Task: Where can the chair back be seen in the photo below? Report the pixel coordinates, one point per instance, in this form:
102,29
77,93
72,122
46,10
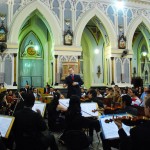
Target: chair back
76,140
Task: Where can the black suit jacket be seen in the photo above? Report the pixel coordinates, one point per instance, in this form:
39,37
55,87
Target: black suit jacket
139,137
28,124
73,90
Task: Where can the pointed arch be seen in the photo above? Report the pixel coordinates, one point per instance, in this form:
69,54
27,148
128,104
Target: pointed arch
132,27
49,19
103,18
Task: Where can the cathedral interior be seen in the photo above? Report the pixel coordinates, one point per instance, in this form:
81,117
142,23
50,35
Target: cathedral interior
106,42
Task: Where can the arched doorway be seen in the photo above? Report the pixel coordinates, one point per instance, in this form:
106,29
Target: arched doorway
140,48
94,41
35,53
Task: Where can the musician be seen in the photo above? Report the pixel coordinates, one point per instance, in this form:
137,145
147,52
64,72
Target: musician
75,120
73,83
92,95
26,89
29,125
47,89
3,104
36,94
55,113
52,91
139,135
126,106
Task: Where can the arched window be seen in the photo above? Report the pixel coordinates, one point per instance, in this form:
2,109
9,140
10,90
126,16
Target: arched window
56,8
129,16
67,13
8,70
78,10
110,13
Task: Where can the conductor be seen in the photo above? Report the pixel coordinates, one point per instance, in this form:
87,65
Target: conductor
73,83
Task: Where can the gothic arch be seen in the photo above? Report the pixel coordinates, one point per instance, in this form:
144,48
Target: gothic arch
103,18
132,27
49,19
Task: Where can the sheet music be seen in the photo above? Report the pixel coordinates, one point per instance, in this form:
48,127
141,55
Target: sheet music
5,123
64,102
110,130
85,107
40,106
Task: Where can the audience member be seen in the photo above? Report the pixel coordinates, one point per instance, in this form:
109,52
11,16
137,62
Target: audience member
135,100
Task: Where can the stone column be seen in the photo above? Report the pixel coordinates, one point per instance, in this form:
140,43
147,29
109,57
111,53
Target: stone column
78,64
56,63
15,84
112,64
131,69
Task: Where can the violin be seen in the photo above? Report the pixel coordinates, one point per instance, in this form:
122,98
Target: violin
129,120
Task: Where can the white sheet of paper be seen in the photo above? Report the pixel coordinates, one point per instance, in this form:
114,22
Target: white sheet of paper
4,125
85,107
64,102
40,106
110,130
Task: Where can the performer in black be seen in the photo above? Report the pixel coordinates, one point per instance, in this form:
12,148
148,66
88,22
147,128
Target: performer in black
73,82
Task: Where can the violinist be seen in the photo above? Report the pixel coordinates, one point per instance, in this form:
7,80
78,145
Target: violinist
126,106
75,121
92,95
55,114
139,135
4,106
29,126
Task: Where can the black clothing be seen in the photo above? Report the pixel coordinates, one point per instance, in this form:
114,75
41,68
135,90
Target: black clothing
128,109
55,122
79,122
2,146
139,137
73,90
28,128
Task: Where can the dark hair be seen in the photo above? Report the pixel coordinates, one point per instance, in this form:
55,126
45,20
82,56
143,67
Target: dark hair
127,100
147,102
29,99
55,100
93,92
74,106
135,92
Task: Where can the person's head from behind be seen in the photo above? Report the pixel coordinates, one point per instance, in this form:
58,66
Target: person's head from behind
56,97
133,93
29,99
74,105
147,107
126,100
92,93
